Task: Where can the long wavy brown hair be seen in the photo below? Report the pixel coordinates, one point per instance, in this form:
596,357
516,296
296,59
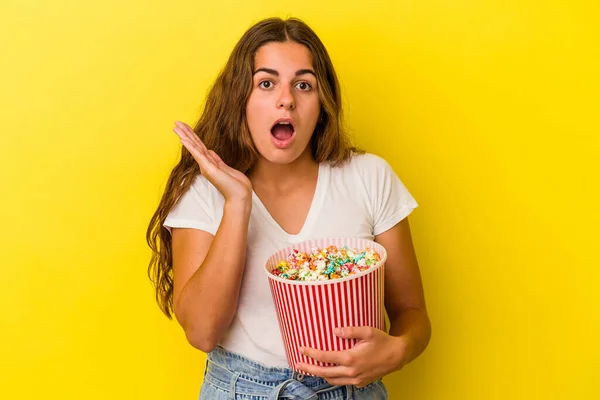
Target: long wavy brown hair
223,128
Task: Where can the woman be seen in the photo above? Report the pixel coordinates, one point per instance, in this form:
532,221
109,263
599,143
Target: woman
269,165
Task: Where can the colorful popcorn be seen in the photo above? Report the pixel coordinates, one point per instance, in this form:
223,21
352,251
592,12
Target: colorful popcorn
325,264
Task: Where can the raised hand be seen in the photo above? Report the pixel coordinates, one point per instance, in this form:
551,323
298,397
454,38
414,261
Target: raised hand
233,185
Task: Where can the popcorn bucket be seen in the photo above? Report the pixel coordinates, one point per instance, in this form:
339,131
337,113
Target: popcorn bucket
309,311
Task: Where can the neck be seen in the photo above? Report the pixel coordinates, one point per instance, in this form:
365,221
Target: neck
283,177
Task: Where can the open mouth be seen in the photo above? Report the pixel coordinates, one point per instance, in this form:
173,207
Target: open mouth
283,130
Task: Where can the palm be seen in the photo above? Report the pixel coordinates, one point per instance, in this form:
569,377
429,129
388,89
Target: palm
232,184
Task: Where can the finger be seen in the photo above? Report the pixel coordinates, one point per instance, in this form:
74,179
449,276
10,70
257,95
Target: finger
333,357
335,372
196,152
183,124
216,159
183,133
196,144
183,128
206,164
191,134
234,173
355,332
221,165
186,132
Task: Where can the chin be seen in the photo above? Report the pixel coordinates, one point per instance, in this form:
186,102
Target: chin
280,157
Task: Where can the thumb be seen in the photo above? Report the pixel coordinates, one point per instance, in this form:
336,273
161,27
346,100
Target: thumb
355,332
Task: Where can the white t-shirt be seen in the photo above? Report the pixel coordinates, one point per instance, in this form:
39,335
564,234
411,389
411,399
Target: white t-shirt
361,198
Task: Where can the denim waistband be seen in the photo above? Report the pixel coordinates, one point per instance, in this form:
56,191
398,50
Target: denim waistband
239,375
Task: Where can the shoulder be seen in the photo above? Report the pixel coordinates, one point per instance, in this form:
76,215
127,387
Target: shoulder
203,189
369,160
366,165
362,171
200,183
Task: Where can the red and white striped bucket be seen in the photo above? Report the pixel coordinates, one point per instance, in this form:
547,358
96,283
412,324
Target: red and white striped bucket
308,312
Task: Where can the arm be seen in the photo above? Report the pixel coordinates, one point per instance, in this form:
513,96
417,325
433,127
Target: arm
404,298
207,276
207,270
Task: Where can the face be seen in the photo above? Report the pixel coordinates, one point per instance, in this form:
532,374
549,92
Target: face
284,106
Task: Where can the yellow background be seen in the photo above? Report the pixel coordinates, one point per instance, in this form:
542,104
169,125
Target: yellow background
488,111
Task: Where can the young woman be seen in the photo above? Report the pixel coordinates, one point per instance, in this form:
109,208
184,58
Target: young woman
269,165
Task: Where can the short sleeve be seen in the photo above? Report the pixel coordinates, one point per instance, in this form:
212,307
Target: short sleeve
198,208
391,201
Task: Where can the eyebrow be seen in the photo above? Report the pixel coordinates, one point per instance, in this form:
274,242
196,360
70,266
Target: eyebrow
274,72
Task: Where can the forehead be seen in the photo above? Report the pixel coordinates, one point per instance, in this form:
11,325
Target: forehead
287,56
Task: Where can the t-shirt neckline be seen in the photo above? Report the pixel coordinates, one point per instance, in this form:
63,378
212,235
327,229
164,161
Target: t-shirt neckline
313,212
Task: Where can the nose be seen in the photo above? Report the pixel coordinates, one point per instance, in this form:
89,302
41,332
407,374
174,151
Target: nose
286,100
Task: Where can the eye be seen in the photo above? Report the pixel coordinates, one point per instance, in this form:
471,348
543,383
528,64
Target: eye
265,85
304,86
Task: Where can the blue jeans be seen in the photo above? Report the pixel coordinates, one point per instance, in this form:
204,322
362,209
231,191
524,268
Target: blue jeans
230,376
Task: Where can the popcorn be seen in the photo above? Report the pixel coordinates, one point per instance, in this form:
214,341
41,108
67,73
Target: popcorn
325,264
